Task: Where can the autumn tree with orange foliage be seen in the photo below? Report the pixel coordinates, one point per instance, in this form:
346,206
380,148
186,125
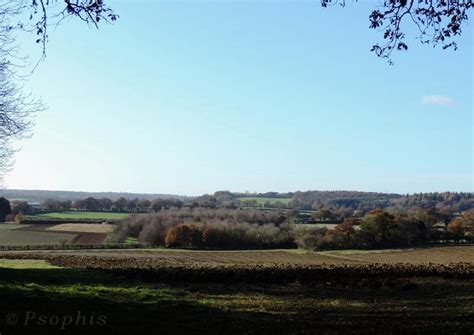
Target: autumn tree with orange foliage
184,236
457,229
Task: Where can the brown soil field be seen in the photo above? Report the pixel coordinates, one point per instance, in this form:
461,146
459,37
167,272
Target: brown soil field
90,238
438,255
435,255
81,233
267,266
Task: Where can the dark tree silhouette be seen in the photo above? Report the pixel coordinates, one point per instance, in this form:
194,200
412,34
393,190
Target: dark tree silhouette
5,209
437,22
46,13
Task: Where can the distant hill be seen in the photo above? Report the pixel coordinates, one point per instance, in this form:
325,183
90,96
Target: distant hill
38,196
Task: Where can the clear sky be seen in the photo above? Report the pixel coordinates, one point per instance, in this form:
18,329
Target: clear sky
190,97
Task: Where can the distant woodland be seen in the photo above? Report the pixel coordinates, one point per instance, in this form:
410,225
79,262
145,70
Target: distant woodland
325,205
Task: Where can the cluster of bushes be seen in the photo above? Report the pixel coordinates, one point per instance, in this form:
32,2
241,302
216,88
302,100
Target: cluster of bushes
227,235
247,229
207,228
379,229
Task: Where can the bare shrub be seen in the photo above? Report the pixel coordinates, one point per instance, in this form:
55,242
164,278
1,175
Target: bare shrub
311,238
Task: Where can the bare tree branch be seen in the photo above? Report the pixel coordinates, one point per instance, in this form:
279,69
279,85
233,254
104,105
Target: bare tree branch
438,22
46,13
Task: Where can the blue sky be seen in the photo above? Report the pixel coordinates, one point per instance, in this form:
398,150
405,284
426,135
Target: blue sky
190,97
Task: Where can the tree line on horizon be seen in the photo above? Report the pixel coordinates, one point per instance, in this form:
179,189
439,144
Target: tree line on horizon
345,204
324,205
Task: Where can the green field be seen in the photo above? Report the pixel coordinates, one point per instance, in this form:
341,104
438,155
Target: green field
80,215
262,201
